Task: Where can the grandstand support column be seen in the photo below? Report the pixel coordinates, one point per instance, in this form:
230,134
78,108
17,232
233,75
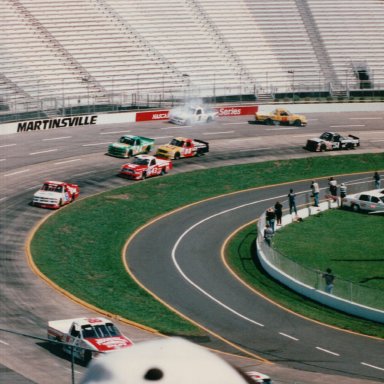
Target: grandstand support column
187,86
241,85
214,87
138,90
62,97
292,72
38,95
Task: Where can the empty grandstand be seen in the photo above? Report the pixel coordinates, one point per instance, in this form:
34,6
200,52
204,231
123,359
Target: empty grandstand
57,55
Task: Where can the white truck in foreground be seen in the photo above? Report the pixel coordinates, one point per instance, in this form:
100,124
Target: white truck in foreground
191,114
87,337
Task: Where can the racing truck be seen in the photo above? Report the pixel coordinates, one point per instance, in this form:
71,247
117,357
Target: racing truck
55,194
280,116
187,115
144,166
330,141
180,147
129,145
87,337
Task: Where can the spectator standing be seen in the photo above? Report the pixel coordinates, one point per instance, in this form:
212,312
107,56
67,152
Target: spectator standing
270,216
292,202
343,190
377,180
278,212
268,234
315,192
329,279
332,186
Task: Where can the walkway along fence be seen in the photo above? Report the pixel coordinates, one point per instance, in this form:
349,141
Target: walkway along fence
347,296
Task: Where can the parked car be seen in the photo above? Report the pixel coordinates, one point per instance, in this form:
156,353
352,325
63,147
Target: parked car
369,201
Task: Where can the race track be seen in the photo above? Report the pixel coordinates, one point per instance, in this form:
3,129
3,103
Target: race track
27,302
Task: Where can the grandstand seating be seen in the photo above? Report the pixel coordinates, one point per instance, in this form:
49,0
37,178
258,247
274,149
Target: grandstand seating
57,54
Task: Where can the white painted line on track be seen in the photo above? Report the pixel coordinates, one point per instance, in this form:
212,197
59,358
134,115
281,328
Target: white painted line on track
16,173
304,135
178,127
95,144
185,233
69,369
242,123
113,132
58,138
365,118
280,128
161,137
40,152
347,126
34,187
7,145
217,133
254,149
288,336
372,366
327,351
67,161
2,159
3,198
83,173
3,342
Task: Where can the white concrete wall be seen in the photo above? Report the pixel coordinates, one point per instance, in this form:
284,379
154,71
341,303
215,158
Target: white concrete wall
308,291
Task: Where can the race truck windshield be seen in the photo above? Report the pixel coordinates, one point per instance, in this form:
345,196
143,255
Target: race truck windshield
177,143
139,161
99,331
52,188
126,140
326,136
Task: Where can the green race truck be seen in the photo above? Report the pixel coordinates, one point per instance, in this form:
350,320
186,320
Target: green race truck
129,146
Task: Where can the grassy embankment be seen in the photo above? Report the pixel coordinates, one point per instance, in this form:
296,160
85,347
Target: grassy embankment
79,248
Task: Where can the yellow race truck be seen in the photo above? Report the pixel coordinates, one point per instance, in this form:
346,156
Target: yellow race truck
280,116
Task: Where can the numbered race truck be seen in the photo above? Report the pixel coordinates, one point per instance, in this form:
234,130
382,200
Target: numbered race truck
280,116
144,166
55,194
182,147
191,114
330,141
87,337
129,145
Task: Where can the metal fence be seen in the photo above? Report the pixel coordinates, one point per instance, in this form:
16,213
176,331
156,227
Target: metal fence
344,289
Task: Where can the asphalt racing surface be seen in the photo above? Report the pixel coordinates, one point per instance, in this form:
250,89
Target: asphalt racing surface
301,350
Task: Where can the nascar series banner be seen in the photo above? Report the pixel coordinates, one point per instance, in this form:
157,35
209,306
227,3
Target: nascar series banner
110,118
222,111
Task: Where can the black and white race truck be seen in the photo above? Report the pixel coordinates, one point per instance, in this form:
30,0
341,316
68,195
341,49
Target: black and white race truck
330,141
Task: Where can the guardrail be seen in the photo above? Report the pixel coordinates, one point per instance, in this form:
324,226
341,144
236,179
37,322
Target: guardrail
347,296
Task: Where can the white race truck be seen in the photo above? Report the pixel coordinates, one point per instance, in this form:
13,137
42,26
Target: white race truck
330,141
87,337
55,194
188,114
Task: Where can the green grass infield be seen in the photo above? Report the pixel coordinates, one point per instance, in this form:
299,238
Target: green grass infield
79,247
